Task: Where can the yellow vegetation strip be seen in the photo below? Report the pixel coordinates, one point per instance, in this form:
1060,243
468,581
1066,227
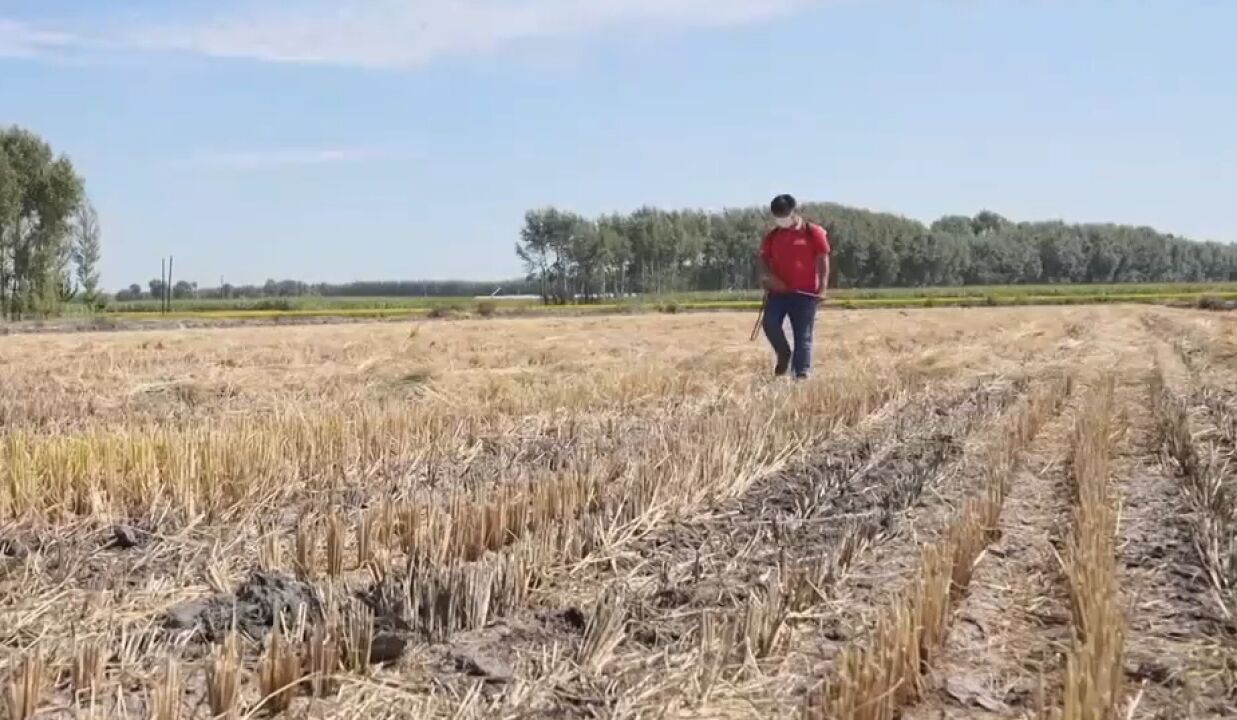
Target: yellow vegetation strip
909,301
883,672
1093,672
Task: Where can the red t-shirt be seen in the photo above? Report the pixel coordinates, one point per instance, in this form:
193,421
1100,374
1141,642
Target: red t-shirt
791,255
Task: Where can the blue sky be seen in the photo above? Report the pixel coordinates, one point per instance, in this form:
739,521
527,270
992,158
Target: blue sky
365,139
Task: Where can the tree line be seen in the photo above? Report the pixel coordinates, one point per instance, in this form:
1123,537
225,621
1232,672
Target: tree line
49,232
295,288
569,257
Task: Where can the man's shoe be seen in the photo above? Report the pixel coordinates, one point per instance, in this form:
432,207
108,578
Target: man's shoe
783,364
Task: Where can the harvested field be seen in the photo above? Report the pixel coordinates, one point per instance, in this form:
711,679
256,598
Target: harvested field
988,513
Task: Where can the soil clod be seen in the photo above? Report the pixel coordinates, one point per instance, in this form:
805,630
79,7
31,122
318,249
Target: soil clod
480,664
572,619
13,548
387,648
126,537
969,691
252,609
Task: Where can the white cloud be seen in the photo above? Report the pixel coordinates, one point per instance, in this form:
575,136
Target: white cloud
401,33
275,159
21,40
375,33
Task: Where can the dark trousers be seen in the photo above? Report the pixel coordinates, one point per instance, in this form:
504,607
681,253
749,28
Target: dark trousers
801,309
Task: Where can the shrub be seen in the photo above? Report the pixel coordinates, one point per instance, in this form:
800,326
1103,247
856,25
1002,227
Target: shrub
1211,302
418,376
444,311
272,304
487,308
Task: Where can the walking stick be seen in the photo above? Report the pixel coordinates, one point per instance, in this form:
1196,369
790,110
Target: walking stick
759,316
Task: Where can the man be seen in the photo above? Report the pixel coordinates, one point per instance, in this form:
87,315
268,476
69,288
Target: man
794,269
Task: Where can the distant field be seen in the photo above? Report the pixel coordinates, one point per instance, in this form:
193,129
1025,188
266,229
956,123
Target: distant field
286,304
1002,291
382,307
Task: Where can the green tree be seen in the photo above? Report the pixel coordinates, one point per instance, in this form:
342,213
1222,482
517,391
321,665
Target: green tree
10,230
586,255
86,250
617,253
534,250
39,193
987,222
954,225
545,247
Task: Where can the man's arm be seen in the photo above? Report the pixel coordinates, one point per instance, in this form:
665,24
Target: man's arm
768,279
822,260
822,267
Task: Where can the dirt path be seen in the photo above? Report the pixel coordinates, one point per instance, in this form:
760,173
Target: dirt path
1013,625
779,682
1178,643
723,560
855,497
852,521
1175,639
1005,657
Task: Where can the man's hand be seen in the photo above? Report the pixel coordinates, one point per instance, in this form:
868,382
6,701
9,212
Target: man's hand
773,283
